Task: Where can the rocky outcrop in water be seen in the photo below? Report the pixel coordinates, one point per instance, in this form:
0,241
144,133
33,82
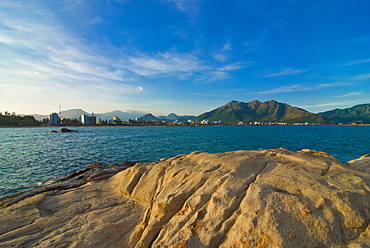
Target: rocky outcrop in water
64,130
268,198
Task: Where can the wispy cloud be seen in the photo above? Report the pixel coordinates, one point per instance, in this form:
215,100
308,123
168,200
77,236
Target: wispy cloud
362,77
334,84
351,94
355,62
287,88
221,73
340,103
35,48
304,87
223,53
347,95
165,63
283,72
191,8
235,66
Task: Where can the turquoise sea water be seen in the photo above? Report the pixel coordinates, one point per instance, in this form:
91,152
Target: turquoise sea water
32,155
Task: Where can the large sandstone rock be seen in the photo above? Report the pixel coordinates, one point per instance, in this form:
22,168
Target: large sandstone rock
269,198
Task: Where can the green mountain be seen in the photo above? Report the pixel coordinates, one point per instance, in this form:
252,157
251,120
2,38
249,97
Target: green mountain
359,114
256,111
148,117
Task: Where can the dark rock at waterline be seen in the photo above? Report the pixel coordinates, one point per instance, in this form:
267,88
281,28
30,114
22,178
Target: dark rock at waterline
64,130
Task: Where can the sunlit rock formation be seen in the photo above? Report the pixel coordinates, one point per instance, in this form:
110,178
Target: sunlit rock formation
268,198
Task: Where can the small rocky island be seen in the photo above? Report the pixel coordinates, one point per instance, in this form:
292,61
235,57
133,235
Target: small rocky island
267,198
64,130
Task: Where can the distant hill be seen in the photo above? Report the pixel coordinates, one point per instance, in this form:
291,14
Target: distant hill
76,113
131,114
70,114
359,114
73,113
38,117
148,117
269,111
169,118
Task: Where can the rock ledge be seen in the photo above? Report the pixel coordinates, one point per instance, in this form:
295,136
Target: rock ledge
268,198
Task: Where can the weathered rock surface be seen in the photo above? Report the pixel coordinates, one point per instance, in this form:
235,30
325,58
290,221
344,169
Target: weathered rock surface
268,198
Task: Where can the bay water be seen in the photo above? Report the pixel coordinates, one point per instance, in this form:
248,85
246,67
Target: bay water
32,155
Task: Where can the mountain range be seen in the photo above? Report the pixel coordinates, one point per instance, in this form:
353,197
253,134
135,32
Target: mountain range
359,113
246,112
256,111
168,118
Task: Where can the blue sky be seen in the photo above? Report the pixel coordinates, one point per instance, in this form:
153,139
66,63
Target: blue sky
182,56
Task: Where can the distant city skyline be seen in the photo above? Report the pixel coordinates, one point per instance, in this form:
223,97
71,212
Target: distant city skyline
185,57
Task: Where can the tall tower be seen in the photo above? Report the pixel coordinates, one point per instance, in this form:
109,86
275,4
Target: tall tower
60,111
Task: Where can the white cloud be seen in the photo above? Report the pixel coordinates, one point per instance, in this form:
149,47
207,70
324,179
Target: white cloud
39,55
355,62
362,77
220,57
214,76
95,20
227,46
28,73
223,53
288,88
351,94
189,7
304,87
235,66
164,63
335,84
341,103
283,72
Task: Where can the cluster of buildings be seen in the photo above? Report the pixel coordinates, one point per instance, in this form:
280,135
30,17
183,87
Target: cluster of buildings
56,120
90,120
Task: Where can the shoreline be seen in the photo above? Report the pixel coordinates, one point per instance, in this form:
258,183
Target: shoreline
185,125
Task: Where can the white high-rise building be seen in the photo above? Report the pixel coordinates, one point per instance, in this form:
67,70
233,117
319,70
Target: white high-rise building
84,119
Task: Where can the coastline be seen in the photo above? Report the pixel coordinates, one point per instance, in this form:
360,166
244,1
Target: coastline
235,125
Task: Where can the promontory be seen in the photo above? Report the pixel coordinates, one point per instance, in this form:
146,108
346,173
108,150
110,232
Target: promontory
266,198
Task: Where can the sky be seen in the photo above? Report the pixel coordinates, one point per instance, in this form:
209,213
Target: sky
182,56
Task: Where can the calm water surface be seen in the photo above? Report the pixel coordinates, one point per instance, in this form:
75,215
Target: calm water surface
32,155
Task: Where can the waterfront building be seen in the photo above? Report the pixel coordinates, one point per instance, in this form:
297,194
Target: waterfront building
84,119
53,119
92,120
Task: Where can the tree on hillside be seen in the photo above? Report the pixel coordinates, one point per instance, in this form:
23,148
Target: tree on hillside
13,120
